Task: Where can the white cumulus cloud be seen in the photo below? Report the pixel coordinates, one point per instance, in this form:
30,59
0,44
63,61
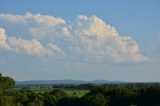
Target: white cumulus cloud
100,41
94,26
30,47
39,25
87,38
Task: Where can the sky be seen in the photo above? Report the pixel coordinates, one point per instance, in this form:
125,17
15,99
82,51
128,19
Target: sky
80,39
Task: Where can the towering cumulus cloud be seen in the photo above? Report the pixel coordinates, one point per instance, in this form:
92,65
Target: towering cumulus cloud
87,39
101,41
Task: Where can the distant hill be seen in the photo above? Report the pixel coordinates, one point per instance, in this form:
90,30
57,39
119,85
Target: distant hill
66,82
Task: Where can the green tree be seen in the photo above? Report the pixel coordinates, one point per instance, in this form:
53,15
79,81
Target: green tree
6,101
6,82
50,100
36,102
96,100
58,93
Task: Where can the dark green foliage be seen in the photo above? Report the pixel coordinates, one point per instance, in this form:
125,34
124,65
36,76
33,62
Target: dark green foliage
36,102
70,101
6,101
149,96
50,100
99,95
58,93
96,100
6,82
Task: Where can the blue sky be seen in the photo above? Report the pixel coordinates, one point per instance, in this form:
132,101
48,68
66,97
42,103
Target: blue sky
85,39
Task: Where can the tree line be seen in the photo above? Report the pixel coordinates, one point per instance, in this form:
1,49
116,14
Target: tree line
99,95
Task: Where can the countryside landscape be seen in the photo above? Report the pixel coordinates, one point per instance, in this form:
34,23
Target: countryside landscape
71,93
79,53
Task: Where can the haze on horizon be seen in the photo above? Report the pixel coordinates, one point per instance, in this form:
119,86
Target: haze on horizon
81,40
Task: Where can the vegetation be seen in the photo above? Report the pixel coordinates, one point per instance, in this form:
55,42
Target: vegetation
78,95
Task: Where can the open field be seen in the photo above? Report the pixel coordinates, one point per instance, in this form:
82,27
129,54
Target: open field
69,92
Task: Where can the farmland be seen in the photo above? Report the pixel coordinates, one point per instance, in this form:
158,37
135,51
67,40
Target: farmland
69,92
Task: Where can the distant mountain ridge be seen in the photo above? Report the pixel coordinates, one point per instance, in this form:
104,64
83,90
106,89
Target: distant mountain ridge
66,82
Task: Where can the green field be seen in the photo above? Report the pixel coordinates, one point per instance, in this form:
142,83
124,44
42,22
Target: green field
70,92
